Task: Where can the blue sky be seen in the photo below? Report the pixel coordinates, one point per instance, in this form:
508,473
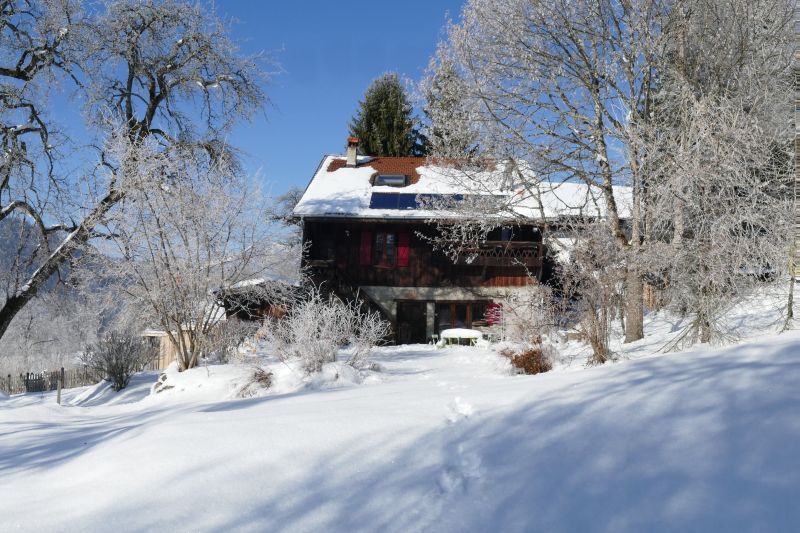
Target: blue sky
328,54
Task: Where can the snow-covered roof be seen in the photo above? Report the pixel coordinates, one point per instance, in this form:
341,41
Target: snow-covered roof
213,314
151,332
264,279
339,191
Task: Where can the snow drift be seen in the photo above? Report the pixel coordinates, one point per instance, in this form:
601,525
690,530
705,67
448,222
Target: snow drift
446,440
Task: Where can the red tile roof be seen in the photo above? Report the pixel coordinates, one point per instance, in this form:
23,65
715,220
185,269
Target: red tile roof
406,166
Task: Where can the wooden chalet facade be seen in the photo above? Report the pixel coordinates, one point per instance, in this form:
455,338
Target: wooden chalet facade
362,225
420,290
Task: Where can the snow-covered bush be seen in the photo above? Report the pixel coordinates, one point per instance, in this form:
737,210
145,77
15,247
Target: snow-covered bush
319,328
528,315
367,329
117,356
593,285
221,344
529,319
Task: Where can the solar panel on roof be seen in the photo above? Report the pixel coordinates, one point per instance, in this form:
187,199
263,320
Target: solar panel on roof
405,201
383,200
441,200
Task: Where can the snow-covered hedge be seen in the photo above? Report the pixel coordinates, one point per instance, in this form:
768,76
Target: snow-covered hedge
117,356
321,328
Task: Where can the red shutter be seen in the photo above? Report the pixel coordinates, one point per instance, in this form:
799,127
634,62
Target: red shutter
366,248
494,314
402,249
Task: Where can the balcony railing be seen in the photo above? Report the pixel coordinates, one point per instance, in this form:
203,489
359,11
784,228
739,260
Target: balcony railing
503,253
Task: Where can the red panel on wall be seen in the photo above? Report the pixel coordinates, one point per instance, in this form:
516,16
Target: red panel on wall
402,248
366,248
494,314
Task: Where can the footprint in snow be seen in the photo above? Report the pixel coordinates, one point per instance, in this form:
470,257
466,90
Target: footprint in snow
456,477
458,410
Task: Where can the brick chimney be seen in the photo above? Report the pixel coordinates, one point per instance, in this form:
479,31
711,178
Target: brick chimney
352,150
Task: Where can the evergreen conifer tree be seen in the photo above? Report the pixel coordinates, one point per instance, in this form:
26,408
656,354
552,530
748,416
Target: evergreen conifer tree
384,124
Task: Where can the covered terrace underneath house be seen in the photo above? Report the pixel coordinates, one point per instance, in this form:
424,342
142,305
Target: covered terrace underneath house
420,313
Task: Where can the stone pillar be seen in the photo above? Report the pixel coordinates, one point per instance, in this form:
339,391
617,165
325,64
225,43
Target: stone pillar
431,319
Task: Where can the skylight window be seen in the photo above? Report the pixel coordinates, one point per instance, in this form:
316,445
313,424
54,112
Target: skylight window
391,180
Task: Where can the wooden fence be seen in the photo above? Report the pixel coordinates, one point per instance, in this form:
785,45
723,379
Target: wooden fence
47,381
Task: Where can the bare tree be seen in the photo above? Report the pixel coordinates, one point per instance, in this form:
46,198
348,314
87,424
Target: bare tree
558,85
719,159
639,93
52,331
161,74
191,231
529,316
592,282
37,40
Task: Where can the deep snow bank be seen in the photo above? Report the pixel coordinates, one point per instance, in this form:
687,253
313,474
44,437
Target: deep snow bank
447,440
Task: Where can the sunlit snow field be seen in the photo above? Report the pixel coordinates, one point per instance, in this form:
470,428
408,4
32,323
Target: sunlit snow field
430,440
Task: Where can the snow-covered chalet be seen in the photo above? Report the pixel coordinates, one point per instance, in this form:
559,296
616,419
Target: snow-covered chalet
364,219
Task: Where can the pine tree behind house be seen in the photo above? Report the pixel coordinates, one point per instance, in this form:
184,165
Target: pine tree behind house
384,124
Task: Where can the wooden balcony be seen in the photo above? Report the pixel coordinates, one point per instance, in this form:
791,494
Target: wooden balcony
503,253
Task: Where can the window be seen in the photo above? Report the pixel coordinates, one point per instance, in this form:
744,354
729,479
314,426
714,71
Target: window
444,316
461,315
503,233
392,180
385,249
479,314
391,249
451,315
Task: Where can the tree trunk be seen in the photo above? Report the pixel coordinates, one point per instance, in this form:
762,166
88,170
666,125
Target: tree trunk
794,250
634,306
12,306
634,287
60,255
790,304
705,329
790,300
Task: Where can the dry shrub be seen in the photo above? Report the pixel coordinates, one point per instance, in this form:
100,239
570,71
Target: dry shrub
260,379
532,360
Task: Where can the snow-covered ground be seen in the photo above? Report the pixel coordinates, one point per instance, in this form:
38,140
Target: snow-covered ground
434,440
